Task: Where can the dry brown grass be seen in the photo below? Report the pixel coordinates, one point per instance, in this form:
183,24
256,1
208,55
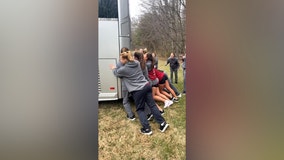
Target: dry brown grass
120,138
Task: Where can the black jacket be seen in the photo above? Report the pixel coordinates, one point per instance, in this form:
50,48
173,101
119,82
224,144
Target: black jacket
174,64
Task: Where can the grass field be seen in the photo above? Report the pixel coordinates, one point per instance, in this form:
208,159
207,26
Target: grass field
120,138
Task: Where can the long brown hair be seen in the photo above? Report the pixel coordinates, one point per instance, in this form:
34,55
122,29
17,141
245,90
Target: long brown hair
150,58
139,57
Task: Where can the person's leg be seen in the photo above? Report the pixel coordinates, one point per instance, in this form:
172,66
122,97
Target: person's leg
176,76
140,99
166,94
167,86
126,103
154,109
171,71
172,86
147,109
156,113
155,96
161,90
160,109
162,94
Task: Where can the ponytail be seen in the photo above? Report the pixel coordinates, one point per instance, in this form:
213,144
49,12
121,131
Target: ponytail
140,58
127,55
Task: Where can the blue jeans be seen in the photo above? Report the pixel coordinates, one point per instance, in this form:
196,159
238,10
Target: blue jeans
140,98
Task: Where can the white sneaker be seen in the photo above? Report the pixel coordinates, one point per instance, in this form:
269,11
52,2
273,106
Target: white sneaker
170,102
179,95
166,104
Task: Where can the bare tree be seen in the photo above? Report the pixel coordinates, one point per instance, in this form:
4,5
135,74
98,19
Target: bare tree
162,26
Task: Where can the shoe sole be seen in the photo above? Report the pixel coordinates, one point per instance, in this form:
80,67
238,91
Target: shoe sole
164,129
131,119
150,117
175,100
148,134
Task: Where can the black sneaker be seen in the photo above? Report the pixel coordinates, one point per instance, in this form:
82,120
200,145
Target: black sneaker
162,112
149,117
146,131
164,126
175,99
131,118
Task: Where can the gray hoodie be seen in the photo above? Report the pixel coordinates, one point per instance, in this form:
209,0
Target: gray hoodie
131,75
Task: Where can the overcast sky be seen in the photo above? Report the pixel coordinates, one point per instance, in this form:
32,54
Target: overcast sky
134,8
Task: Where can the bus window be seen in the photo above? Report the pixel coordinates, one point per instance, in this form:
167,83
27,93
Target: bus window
108,9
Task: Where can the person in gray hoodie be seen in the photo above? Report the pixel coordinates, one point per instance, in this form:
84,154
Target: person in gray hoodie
125,95
130,72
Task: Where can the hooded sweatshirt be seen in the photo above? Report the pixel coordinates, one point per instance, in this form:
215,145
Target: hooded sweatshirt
160,75
151,73
131,75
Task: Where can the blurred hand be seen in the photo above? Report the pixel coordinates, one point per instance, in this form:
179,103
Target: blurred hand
111,66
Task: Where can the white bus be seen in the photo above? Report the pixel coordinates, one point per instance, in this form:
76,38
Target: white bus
114,33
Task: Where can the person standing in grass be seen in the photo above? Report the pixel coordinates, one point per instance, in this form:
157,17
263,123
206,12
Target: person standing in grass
125,95
174,66
140,89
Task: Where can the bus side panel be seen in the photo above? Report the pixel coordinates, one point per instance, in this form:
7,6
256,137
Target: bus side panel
108,82
124,24
109,85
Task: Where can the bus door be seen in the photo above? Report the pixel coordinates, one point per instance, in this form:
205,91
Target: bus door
109,85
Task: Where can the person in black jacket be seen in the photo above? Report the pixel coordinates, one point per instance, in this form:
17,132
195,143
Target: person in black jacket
174,66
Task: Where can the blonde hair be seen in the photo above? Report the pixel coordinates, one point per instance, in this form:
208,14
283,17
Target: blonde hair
145,50
127,55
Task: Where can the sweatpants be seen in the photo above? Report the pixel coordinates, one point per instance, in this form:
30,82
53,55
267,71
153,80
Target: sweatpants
145,96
